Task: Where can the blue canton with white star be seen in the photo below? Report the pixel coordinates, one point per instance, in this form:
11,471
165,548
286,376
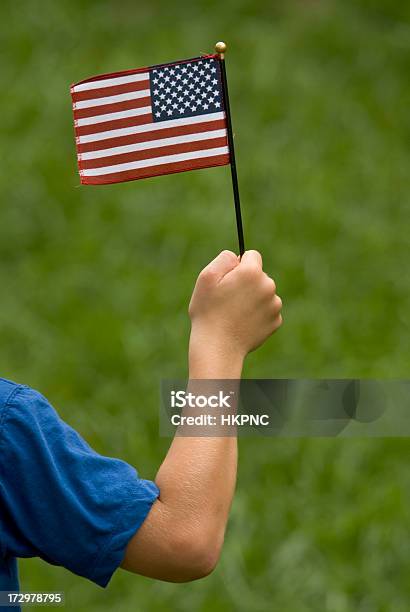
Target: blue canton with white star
186,89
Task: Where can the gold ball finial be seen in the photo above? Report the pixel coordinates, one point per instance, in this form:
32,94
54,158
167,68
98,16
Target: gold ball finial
220,47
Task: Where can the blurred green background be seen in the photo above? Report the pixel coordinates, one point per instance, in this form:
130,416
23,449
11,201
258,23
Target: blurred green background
95,281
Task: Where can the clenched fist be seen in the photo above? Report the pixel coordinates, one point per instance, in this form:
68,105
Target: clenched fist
234,304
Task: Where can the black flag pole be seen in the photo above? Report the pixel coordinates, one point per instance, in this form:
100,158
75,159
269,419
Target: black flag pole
220,48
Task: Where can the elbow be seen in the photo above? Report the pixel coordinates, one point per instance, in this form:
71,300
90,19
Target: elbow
199,555
173,549
205,559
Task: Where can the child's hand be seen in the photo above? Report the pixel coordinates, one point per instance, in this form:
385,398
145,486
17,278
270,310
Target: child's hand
234,304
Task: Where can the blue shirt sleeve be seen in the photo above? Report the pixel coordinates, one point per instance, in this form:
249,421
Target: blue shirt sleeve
59,499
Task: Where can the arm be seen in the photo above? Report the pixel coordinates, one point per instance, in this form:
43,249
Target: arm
233,309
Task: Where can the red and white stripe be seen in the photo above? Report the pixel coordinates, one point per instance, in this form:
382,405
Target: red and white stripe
118,140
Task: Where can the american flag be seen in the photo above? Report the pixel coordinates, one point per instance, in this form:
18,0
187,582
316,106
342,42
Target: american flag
151,121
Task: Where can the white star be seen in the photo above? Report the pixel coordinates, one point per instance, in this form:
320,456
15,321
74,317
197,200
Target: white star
184,69
197,90
156,92
178,76
202,72
206,106
207,76
186,103
174,94
154,71
211,100
193,109
180,99
169,112
209,88
167,78
214,81
161,85
217,104
195,67
172,72
182,110
185,81
216,93
163,107
158,114
175,105
168,101
161,74
173,83
155,81
179,88
162,96
191,86
192,97
203,94
196,79
213,69
167,89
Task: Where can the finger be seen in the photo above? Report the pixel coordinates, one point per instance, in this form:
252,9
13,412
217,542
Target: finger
277,304
270,282
252,258
277,322
221,265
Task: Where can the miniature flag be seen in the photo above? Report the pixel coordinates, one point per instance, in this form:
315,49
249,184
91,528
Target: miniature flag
151,121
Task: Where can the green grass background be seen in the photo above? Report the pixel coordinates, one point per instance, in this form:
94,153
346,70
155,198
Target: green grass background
95,281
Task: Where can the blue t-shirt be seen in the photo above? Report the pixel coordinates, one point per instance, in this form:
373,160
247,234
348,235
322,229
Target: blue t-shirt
59,499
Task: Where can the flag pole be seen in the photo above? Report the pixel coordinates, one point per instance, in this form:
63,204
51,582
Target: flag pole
220,49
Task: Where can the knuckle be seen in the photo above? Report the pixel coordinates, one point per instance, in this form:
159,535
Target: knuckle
226,257
207,275
270,285
278,302
279,321
227,253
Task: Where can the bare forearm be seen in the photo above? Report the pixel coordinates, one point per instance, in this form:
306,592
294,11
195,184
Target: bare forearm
198,475
196,481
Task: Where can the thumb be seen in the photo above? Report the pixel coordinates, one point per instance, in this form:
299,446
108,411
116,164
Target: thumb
222,264
252,258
